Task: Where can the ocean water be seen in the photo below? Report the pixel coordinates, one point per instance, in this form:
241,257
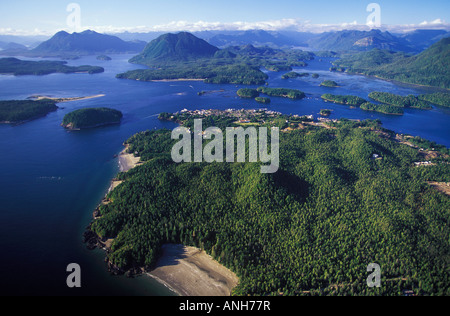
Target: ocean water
51,180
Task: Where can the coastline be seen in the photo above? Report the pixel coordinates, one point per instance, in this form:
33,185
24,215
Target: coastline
186,271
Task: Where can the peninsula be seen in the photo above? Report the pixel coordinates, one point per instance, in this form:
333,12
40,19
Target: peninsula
20,111
19,67
267,226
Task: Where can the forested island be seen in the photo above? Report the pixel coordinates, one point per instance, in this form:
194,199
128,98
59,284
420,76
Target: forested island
293,75
325,112
184,56
350,100
293,94
363,104
19,111
310,229
91,118
209,73
263,100
382,108
19,67
329,84
248,93
104,58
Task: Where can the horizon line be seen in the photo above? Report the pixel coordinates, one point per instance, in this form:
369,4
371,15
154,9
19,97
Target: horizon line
285,25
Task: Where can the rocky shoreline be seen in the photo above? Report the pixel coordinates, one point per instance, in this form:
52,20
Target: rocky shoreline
91,239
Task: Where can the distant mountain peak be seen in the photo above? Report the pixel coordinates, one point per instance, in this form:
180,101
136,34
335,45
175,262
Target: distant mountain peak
85,43
358,40
175,47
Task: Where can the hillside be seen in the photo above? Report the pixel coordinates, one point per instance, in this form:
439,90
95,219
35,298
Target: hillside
310,229
85,43
428,68
174,47
254,37
358,40
423,39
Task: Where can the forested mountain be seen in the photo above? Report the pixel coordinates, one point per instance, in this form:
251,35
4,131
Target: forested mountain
256,38
184,56
427,68
358,40
85,43
423,39
178,47
12,46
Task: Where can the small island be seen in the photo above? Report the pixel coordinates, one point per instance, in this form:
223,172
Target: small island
104,58
293,75
263,100
329,84
248,93
325,112
282,92
91,118
20,111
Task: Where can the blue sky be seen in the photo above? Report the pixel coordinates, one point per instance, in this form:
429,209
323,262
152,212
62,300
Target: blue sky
49,16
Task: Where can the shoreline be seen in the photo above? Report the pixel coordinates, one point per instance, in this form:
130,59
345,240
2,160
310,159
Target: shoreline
186,271
189,271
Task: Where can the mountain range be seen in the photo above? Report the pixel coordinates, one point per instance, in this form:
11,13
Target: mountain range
360,41
347,40
90,42
255,38
429,67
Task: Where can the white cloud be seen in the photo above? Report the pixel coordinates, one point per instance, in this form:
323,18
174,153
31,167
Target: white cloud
435,22
271,25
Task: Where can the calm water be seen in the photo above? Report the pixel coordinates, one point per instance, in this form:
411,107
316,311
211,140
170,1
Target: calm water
51,180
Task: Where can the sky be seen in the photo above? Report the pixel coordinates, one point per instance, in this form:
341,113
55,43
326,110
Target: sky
46,17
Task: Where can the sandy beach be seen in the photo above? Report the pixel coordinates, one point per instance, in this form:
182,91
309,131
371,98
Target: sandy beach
189,271
128,161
